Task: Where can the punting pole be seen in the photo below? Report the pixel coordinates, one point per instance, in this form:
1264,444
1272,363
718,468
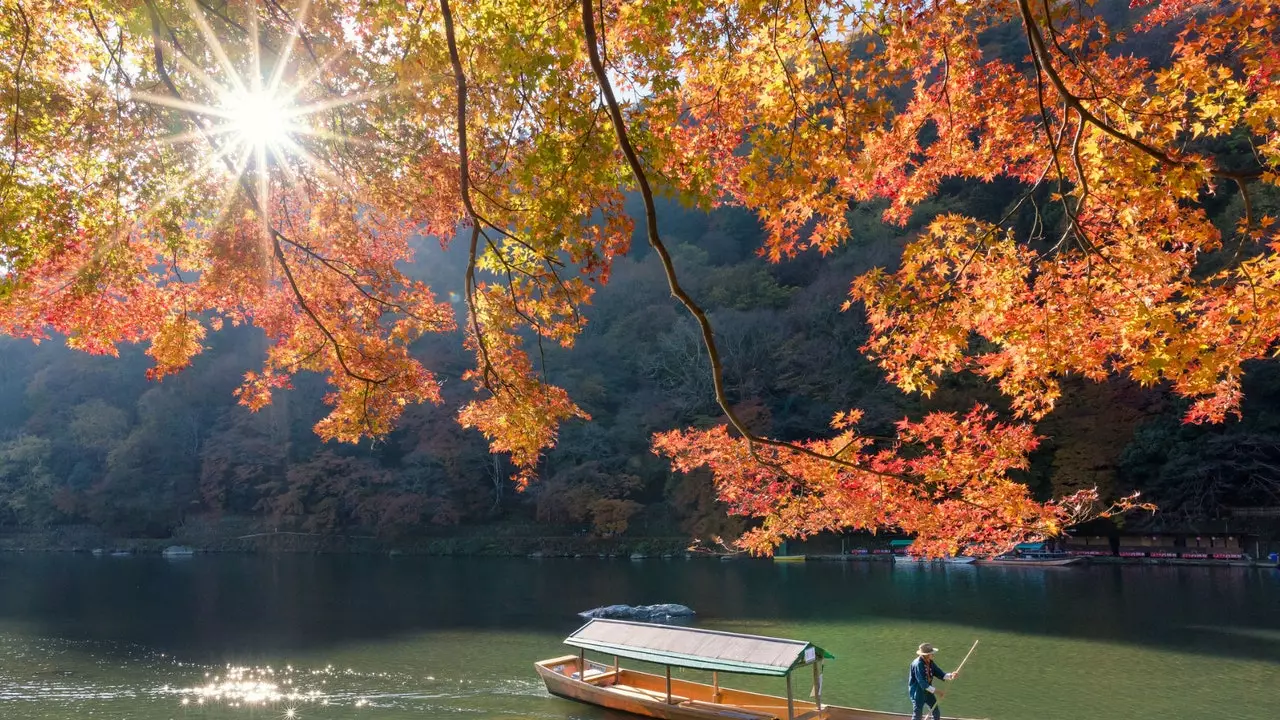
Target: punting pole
966,656
962,662
791,708
668,684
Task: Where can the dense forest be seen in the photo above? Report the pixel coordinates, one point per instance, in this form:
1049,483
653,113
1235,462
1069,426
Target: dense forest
90,440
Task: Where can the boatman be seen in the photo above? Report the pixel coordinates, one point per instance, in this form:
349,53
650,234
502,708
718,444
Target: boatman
924,673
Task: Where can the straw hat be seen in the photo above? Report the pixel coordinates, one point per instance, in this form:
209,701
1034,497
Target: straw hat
926,649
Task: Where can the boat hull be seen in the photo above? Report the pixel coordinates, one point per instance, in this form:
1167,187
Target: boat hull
644,694
912,560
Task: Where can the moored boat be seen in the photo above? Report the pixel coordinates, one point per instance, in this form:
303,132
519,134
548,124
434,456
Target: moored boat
902,554
961,560
1034,555
576,677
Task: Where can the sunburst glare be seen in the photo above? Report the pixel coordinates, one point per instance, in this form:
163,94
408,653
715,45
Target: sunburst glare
262,120
253,119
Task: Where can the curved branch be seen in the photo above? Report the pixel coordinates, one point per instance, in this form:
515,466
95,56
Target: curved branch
306,307
1042,54
351,275
464,187
655,241
17,95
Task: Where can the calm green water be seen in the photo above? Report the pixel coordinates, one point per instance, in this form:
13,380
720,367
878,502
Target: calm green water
260,638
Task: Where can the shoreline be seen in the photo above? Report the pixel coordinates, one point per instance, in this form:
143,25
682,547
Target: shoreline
157,549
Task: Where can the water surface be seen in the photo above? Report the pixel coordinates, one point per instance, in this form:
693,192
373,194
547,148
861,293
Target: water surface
255,638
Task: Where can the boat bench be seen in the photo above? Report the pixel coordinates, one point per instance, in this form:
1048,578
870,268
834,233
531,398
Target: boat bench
601,678
649,694
730,710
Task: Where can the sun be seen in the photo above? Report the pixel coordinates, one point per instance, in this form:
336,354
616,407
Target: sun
260,119
256,125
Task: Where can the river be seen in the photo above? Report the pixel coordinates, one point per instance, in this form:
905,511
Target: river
394,638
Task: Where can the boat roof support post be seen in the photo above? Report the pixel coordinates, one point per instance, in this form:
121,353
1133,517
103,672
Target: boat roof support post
791,707
615,667
715,686
582,665
817,684
668,684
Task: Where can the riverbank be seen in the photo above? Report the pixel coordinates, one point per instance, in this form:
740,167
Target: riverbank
233,537
314,543
533,548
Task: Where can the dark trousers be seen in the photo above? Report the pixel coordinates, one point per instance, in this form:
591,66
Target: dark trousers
922,701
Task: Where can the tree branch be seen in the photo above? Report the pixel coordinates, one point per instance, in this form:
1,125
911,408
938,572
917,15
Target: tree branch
1041,52
464,186
17,94
655,241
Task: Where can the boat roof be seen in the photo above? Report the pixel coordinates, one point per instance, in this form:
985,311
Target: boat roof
901,543
695,647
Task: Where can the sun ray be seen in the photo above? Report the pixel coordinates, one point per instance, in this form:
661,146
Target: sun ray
255,51
186,182
185,105
196,135
215,88
318,165
302,82
286,54
338,102
229,189
215,46
263,182
336,137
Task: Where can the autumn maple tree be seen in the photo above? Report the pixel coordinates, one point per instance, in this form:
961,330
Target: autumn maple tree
170,166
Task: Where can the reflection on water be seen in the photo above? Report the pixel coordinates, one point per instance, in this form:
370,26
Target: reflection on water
254,638
257,686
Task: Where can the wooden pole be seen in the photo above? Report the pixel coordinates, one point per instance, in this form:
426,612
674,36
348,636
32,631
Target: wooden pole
715,686
817,683
668,684
791,708
962,662
966,657
582,665
615,667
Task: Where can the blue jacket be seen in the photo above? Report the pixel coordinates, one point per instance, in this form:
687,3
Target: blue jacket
918,682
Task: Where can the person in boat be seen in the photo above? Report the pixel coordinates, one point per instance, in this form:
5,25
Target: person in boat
920,684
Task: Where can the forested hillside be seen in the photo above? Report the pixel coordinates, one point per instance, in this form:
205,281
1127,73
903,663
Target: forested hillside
87,439
91,440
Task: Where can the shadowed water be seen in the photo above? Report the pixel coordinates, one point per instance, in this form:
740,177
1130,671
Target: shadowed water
397,638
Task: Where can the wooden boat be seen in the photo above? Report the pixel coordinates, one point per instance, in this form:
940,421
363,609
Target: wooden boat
575,677
962,560
901,555
788,558
1034,554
